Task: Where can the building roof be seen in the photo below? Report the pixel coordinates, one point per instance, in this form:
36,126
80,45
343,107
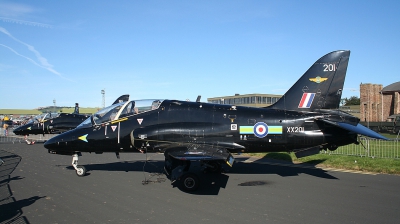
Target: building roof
246,95
394,87
249,100
394,116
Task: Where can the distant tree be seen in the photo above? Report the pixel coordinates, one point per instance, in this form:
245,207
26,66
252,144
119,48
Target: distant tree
353,100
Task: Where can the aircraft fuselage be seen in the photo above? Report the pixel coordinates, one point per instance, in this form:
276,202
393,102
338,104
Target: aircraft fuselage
238,129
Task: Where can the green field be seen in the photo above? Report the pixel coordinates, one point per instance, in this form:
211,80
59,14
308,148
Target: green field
367,164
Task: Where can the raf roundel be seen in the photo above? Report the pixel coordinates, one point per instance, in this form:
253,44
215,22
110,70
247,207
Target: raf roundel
260,129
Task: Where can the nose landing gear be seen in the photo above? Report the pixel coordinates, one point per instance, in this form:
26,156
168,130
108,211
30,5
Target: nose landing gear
80,170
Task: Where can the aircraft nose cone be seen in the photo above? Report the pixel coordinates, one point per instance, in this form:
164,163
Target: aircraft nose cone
49,144
54,143
21,130
18,131
59,142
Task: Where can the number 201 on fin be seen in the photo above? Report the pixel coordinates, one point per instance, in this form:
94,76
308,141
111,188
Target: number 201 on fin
329,67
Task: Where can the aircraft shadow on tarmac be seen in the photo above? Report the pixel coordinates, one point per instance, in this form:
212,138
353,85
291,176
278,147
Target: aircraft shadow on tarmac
10,208
211,183
283,169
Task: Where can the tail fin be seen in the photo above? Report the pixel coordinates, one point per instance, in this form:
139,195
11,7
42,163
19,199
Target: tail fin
76,111
320,87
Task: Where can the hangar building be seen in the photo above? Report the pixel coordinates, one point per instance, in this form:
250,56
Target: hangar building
249,100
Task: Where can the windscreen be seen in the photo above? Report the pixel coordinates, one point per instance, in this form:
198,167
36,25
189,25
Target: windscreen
41,117
119,110
108,113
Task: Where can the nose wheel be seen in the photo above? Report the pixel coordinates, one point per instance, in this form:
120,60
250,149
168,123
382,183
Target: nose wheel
80,170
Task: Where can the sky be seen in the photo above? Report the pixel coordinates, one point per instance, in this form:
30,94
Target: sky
67,52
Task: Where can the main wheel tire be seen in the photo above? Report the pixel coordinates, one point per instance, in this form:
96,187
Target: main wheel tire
81,171
190,182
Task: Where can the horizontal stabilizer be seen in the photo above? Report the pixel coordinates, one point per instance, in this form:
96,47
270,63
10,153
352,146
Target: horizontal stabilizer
362,130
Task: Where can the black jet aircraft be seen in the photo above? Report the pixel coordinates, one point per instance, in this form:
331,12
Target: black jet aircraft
51,123
56,123
305,120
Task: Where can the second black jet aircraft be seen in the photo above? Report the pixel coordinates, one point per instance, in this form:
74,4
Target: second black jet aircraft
51,123
305,120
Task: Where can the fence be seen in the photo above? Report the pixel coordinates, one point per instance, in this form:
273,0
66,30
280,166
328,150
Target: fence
11,137
373,148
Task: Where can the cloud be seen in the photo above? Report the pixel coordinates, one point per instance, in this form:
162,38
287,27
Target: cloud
11,12
15,52
42,61
15,10
24,22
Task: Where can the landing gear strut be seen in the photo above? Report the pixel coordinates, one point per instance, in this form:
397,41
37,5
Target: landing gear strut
27,140
80,170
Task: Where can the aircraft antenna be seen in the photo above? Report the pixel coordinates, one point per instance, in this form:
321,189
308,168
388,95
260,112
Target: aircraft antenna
103,92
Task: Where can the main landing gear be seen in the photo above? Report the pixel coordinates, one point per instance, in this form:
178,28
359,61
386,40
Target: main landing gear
80,170
178,170
189,182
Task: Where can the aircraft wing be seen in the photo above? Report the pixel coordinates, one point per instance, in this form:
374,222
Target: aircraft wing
359,129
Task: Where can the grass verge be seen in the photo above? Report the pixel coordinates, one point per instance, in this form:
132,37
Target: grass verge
366,164
358,163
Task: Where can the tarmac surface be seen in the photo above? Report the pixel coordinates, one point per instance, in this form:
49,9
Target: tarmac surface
38,187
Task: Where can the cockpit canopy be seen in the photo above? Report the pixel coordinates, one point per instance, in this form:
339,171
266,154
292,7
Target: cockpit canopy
42,117
119,110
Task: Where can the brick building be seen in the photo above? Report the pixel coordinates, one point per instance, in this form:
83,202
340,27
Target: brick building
377,103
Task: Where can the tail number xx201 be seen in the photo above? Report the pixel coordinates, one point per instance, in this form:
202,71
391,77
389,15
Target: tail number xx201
295,129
